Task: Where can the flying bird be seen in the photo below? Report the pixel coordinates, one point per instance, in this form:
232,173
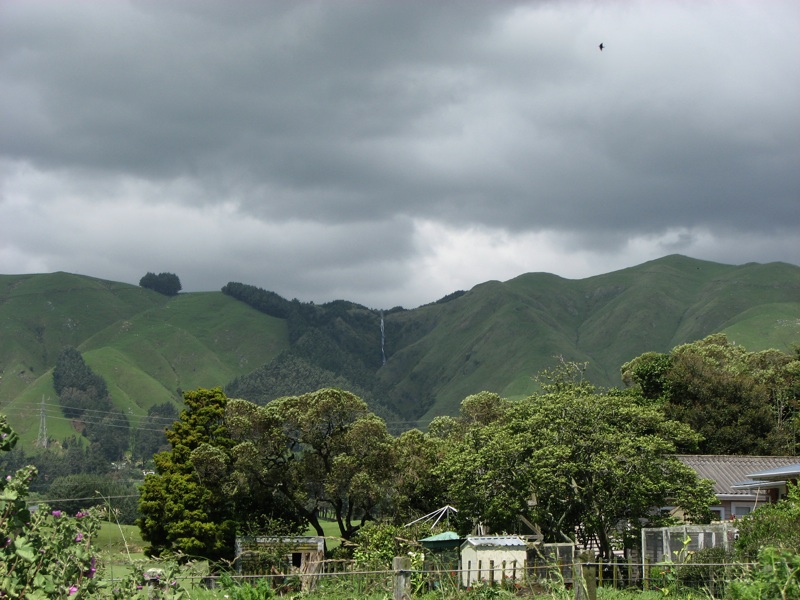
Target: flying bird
601,47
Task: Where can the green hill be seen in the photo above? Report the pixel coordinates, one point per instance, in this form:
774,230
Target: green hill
258,345
145,345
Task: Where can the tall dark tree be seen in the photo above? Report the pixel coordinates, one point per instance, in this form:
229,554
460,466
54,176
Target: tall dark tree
164,283
109,434
183,508
150,437
72,493
71,371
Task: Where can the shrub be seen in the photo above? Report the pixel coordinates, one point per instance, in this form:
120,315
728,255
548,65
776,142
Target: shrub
707,568
777,576
772,525
43,553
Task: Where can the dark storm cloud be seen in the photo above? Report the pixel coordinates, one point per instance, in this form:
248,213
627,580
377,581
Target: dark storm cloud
372,142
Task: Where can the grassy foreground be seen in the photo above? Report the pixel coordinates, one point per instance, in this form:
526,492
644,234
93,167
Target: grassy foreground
121,547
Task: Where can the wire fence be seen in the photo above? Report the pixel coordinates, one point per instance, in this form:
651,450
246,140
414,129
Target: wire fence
347,577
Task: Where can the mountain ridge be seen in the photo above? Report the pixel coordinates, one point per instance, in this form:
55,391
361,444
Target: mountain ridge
494,337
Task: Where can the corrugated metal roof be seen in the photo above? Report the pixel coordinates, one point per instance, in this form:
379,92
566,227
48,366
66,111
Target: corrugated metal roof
725,471
787,471
495,540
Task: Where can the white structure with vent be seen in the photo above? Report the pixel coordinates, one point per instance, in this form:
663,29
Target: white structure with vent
492,558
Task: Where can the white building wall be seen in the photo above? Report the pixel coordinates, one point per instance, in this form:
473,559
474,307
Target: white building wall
478,563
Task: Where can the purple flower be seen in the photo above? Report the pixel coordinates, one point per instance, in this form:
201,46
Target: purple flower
79,537
56,513
80,514
73,589
90,573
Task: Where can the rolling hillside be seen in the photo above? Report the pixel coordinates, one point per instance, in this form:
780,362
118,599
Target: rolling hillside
494,337
145,345
499,334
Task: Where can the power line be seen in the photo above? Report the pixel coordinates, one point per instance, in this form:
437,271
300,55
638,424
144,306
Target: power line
119,422
53,500
108,424
107,418
120,416
60,407
96,410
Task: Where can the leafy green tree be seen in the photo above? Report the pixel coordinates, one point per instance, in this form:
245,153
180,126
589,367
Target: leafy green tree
164,283
417,489
75,402
740,402
575,460
319,450
210,485
183,509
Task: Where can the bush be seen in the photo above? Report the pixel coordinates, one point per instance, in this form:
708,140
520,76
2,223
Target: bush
776,576
772,525
707,569
46,553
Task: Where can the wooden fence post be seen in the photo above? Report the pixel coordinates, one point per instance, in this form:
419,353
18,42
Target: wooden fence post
401,565
586,586
600,572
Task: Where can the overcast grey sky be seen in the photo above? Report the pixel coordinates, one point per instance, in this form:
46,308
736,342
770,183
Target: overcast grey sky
390,152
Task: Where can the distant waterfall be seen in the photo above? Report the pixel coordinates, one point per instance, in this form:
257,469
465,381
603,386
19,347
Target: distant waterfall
383,340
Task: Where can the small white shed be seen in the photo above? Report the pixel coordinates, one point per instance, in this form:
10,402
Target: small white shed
492,558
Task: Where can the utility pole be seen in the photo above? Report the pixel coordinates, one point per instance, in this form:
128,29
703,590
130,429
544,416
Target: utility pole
41,441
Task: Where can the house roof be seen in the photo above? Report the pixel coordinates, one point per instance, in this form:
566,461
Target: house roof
488,541
729,472
789,471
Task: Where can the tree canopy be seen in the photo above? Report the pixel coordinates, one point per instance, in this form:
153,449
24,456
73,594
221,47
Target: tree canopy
322,450
238,467
164,283
84,398
740,402
573,459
